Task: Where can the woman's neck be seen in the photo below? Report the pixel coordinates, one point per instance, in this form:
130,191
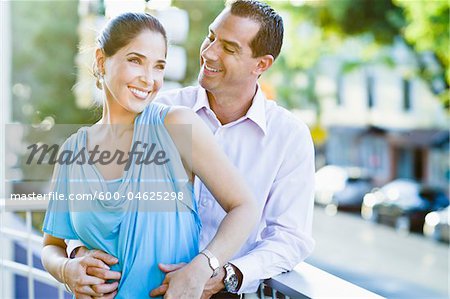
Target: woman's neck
116,116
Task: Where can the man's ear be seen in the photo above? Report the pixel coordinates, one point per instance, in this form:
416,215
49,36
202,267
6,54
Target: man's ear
264,63
100,61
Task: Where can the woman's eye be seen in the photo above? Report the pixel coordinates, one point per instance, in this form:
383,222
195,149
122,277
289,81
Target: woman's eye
210,38
160,66
134,60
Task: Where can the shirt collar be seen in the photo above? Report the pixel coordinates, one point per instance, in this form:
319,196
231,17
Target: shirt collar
201,100
256,112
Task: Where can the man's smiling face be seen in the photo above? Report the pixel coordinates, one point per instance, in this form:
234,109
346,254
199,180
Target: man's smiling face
225,56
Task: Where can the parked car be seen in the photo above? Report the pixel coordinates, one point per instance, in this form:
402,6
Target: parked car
437,225
341,188
403,204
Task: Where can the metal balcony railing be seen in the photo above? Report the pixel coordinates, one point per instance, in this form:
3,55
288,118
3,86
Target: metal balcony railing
32,241
305,281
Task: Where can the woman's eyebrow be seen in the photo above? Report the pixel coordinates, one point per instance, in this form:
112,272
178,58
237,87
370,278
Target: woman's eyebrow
137,54
145,57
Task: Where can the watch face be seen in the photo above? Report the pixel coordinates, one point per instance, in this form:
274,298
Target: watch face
231,280
234,280
231,283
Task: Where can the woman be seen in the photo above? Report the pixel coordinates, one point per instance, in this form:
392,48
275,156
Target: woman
140,231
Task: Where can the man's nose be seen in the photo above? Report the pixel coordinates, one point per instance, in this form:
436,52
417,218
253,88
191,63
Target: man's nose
209,52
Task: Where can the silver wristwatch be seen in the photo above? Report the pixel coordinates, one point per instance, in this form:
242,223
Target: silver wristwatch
212,261
231,280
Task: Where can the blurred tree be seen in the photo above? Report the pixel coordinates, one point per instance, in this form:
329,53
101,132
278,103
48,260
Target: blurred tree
44,48
427,29
201,15
44,45
321,27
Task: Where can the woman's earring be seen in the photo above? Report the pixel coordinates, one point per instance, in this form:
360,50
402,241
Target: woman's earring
100,81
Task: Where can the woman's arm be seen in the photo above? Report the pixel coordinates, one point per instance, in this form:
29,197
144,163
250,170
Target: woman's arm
203,156
73,272
224,181
54,256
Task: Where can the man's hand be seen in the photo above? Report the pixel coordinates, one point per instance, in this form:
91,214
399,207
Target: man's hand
98,269
166,268
213,286
187,282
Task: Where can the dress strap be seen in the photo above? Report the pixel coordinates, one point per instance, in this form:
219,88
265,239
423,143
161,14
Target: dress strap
163,113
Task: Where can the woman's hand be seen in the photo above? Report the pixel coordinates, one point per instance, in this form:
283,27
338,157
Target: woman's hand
86,274
83,283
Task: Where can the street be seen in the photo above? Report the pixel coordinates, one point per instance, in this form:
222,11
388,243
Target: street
379,259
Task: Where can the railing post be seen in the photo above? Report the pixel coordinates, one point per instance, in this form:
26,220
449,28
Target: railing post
29,256
261,290
60,292
5,117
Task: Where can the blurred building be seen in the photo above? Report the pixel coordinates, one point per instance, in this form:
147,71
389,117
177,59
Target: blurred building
386,122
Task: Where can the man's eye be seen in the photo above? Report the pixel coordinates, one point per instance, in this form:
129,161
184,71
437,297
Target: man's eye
210,38
228,50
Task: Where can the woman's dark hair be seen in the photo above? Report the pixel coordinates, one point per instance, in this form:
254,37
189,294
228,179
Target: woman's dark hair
122,29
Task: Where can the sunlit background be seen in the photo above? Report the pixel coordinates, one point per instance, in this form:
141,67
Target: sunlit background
369,77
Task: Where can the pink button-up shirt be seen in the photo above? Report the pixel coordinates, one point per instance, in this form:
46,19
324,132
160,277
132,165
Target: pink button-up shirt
274,152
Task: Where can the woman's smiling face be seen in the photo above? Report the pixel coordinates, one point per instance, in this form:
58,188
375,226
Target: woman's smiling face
134,74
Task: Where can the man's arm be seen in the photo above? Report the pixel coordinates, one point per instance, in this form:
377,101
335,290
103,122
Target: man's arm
286,238
72,247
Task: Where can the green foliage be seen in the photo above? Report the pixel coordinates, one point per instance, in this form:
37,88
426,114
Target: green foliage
428,26
44,48
201,14
427,29
318,28
321,27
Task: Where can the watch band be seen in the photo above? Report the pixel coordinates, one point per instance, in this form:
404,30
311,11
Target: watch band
231,280
212,261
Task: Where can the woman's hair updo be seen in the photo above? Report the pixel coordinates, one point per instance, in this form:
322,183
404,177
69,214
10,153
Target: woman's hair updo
125,27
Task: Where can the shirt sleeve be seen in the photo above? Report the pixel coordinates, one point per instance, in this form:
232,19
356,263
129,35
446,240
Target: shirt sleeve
57,220
72,245
286,238
165,98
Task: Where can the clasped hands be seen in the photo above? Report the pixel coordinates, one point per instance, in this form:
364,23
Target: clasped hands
88,272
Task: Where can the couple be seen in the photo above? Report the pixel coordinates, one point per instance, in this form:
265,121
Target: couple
138,251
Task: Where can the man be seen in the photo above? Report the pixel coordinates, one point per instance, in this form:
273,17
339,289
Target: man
270,147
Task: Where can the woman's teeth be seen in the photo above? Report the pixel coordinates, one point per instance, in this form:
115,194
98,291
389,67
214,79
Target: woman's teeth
139,93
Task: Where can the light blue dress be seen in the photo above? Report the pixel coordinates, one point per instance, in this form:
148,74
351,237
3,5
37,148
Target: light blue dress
140,233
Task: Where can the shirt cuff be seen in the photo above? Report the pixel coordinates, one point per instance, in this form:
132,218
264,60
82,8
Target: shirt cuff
251,273
72,245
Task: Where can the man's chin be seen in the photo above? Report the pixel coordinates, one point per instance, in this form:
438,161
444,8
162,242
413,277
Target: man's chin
202,81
